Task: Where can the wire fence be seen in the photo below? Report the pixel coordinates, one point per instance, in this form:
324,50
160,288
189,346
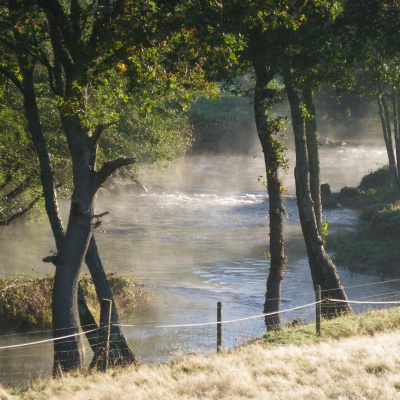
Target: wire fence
23,359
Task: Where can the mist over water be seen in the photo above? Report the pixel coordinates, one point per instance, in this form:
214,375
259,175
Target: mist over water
199,236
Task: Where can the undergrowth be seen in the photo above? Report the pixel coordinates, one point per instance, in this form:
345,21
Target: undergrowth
25,303
371,248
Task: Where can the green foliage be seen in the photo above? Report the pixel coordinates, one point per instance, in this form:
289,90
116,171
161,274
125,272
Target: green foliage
136,77
324,227
18,162
366,252
376,179
375,188
386,221
153,138
25,303
372,248
371,211
222,125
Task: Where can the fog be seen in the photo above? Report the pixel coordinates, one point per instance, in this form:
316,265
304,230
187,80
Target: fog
198,236
227,126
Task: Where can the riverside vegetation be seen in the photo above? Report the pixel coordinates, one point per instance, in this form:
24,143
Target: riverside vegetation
371,248
357,357
25,302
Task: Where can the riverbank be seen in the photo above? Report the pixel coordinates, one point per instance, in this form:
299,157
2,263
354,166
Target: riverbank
356,357
25,302
371,247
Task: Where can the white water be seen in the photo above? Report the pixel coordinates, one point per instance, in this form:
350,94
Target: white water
199,236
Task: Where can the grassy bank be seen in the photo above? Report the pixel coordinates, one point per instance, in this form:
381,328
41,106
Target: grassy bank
25,303
372,247
358,357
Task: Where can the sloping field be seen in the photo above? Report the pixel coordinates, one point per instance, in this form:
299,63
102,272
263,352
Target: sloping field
361,367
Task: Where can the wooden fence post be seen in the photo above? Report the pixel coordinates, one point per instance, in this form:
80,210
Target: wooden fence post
105,329
318,308
219,327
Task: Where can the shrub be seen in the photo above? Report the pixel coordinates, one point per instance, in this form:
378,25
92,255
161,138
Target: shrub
372,210
380,177
387,221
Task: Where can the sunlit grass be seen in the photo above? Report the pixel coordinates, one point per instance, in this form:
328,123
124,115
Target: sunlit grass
369,323
357,357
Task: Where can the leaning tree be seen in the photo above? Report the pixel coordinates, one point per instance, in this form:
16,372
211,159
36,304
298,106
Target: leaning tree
80,44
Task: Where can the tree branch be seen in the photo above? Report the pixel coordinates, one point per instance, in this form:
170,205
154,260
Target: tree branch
94,141
7,179
42,58
13,79
22,212
109,13
109,167
98,132
19,189
57,41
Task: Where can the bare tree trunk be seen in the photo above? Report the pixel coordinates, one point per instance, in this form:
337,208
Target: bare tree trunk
267,127
67,354
323,271
313,153
121,352
387,135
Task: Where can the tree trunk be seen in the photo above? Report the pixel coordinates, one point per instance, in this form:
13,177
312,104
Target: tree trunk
266,128
72,247
323,270
65,313
387,136
313,154
120,351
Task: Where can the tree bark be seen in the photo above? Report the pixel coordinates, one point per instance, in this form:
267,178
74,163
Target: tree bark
387,136
313,153
266,128
323,271
120,351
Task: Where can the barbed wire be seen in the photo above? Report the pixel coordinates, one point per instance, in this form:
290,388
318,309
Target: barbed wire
47,340
223,322
364,302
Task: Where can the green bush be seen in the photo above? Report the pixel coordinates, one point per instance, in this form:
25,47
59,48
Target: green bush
387,221
366,252
371,211
380,177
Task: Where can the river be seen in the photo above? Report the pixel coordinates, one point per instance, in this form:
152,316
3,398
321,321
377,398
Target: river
197,237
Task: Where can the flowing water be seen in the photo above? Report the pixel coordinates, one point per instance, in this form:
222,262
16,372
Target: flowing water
197,237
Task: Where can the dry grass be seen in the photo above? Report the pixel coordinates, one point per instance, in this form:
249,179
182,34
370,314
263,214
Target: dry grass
25,303
362,367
